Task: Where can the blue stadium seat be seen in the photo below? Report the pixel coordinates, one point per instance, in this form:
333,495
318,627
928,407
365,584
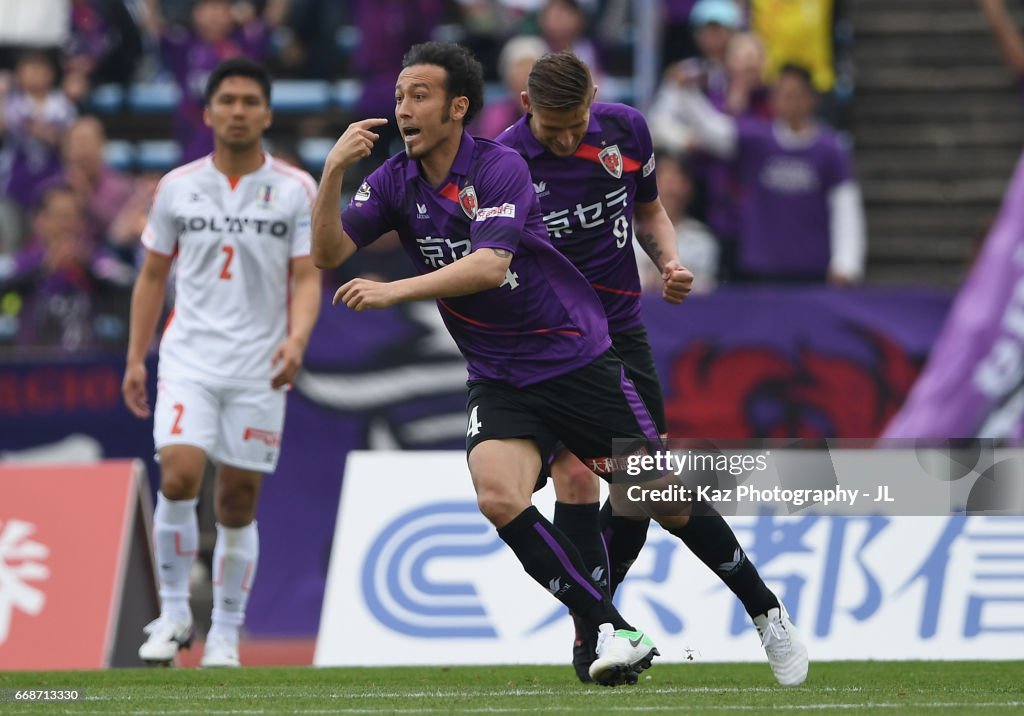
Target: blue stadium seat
300,95
120,155
158,155
154,97
106,99
313,152
493,92
347,93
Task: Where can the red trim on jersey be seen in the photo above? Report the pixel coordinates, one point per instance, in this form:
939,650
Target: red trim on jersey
470,321
590,152
180,171
170,317
233,181
450,192
619,291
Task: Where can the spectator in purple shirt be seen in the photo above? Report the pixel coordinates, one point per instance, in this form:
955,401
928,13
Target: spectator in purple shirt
32,121
801,216
530,327
219,31
514,63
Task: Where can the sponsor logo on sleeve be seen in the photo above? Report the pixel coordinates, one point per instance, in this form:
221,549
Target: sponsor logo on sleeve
649,166
507,211
363,193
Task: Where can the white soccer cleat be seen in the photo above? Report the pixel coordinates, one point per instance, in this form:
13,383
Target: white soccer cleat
621,656
167,635
786,651
221,651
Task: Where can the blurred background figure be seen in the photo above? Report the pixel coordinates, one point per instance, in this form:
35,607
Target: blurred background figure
698,250
35,115
514,63
797,33
105,45
219,30
59,286
563,25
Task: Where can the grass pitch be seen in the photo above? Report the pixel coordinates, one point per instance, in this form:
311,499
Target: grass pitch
839,687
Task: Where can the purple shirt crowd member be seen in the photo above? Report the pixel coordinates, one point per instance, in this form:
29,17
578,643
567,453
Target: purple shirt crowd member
514,64
593,170
192,54
801,217
531,329
35,116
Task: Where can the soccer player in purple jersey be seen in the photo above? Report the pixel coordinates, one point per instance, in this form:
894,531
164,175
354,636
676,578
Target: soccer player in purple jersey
532,331
592,166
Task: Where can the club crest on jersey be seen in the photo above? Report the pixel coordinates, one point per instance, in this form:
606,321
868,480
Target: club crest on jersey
611,160
468,202
266,196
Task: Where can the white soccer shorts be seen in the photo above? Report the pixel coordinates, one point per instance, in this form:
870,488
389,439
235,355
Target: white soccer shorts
237,426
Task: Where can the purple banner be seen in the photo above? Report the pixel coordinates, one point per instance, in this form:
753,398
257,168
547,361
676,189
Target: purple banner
973,385
801,362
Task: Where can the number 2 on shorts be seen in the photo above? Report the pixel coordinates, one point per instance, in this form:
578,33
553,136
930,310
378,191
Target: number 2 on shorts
179,410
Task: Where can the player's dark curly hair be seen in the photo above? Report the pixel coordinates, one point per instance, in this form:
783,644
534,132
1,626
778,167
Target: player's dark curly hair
560,81
238,67
465,74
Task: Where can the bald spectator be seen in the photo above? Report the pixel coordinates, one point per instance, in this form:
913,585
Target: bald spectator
514,64
101,190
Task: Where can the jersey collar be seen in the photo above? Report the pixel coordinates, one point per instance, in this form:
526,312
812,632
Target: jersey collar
534,148
460,166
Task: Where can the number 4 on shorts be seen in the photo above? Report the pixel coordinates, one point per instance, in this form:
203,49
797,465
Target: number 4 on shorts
474,423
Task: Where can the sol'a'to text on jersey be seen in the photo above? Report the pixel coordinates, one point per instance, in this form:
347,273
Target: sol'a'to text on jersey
233,241
587,200
544,320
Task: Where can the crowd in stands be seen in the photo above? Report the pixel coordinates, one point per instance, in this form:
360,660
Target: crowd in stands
759,187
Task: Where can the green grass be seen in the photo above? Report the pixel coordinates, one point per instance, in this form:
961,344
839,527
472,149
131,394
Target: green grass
837,687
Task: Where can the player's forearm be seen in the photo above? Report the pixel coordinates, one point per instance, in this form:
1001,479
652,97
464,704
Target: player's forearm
331,246
1003,27
481,270
656,234
147,302
305,306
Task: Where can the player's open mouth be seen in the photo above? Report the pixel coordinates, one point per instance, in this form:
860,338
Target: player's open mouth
410,132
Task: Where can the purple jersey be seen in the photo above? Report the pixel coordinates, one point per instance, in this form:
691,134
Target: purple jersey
191,60
785,229
543,321
587,201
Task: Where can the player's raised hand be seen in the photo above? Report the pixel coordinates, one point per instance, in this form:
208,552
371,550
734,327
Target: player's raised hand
357,142
133,388
360,294
678,282
288,356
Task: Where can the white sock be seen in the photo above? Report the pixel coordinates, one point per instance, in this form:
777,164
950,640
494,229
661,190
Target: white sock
234,567
176,542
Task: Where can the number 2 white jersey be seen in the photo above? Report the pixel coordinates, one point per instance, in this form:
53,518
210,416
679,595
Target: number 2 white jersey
233,248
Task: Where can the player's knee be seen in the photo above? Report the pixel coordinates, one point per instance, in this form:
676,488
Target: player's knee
236,507
179,485
672,522
574,483
499,507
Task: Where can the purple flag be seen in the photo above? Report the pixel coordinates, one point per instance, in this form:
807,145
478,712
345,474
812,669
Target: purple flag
973,383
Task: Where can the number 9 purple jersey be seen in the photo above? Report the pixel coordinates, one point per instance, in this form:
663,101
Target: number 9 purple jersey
587,201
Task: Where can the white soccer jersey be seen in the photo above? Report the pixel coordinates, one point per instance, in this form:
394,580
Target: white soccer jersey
234,248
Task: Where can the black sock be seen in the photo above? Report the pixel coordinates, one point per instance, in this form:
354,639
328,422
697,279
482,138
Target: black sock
581,524
553,562
623,538
710,538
